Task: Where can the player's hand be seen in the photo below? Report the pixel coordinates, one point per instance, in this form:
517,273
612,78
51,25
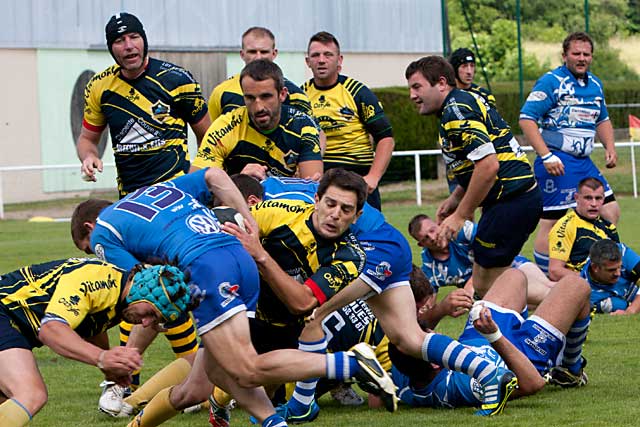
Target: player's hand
255,170
611,157
250,239
484,322
372,182
446,208
457,303
90,165
553,164
449,229
618,313
121,361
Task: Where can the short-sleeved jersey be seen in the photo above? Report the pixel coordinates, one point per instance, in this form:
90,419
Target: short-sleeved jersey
348,112
570,238
567,109
167,221
625,288
471,130
457,268
227,96
325,266
147,119
484,93
83,293
232,141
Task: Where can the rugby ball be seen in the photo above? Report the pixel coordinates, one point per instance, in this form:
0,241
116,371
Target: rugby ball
227,214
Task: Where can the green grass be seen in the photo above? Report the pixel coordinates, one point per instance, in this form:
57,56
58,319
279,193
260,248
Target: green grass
608,400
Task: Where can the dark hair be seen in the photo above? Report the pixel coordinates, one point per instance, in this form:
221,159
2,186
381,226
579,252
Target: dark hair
461,56
261,70
414,224
345,180
121,24
590,182
420,285
605,250
259,32
86,211
432,68
580,36
324,37
248,185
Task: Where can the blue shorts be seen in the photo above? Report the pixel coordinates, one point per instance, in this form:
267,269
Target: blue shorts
10,335
389,258
504,227
540,341
557,191
229,278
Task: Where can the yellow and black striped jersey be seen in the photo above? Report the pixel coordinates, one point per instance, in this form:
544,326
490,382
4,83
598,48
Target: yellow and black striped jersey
83,293
571,238
325,266
483,92
147,119
227,96
232,141
348,112
469,131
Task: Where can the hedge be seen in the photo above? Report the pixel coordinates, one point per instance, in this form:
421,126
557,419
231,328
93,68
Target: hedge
415,132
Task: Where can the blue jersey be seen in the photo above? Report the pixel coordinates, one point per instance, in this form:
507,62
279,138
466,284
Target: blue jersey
624,289
305,190
457,268
167,221
567,109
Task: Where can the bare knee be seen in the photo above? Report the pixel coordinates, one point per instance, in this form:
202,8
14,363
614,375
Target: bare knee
408,342
33,400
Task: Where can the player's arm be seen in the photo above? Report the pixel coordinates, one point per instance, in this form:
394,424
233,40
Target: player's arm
456,303
558,269
226,191
200,128
605,134
87,150
529,380
561,240
381,159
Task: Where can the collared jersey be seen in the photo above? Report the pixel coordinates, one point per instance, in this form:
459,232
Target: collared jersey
571,238
147,119
347,113
227,96
471,130
325,266
232,141
83,293
567,109
169,221
625,288
457,268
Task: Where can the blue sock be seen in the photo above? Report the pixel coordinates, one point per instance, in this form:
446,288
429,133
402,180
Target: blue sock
274,420
304,392
452,355
542,260
572,356
341,366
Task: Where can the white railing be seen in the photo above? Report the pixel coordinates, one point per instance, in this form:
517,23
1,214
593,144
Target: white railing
415,153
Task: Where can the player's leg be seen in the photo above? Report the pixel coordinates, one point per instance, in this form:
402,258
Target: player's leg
509,291
21,382
538,284
541,243
610,211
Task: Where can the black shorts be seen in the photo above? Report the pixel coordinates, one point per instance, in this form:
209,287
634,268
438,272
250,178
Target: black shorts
10,335
504,227
266,337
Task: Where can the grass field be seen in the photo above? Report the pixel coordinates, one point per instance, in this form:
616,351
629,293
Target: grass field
610,399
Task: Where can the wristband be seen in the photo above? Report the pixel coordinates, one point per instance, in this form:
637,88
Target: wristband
546,156
492,337
100,363
551,158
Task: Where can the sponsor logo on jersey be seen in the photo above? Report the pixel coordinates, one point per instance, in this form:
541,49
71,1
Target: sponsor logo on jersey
71,304
215,135
322,102
536,96
99,251
368,111
97,285
228,291
281,205
132,95
382,271
202,224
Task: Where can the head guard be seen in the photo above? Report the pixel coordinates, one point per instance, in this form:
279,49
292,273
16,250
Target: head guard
124,23
162,286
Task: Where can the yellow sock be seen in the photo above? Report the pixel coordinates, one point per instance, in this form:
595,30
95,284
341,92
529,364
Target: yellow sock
14,414
221,397
157,411
172,374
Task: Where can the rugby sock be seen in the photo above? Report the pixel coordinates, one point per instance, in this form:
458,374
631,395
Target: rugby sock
274,420
341,366
450,354
220,397
542,260
572,356
172,374
125,331
304,392
12,413
157,411
182,337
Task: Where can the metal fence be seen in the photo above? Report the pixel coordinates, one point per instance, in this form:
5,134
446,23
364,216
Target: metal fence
416,154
